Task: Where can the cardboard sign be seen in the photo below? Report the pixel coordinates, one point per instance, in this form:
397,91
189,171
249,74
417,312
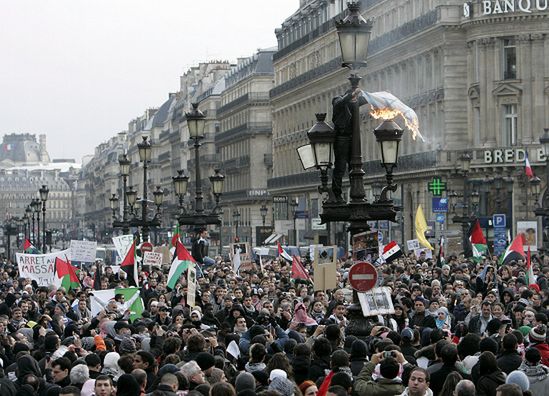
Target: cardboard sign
153,259
428,253
376,302
324,264
530,231
84,251
412,245
165,252
39,267
243,249
191,285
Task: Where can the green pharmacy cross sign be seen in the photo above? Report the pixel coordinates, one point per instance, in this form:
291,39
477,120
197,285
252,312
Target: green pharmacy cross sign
436,186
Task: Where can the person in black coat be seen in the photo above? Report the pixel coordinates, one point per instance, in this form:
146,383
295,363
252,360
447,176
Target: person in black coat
359,350
301,362
449,355
509,359
421,319
490,375
320,365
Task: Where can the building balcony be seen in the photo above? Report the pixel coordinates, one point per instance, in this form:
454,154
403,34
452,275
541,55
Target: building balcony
244,131
253,97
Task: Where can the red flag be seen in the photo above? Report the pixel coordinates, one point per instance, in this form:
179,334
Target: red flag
528,167
129,265
298,271
27,245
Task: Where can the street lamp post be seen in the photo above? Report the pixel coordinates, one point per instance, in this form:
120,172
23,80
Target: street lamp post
198,217
44,191
236,219
28,212
124,164
263,211
543,208
145,154
294,204
36,207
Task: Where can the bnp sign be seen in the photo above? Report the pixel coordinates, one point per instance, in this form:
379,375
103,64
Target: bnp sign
497,7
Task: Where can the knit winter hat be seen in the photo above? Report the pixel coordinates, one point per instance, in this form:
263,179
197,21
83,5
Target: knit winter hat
519,378
538,333
407,333
127,345
205,360
282,385
244,381
525,330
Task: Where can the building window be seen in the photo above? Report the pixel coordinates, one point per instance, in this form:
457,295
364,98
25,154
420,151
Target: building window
510,122
509,59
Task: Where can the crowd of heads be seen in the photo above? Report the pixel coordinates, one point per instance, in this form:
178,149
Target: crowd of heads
460,328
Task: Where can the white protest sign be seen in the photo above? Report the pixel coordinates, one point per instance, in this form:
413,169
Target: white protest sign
153,259
376,301
84,251
191,285
39,267
412,244
428,253
122,243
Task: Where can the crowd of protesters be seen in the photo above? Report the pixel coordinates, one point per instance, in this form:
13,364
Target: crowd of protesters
461,328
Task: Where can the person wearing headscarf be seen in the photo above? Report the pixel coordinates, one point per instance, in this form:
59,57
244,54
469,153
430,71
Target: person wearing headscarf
443,320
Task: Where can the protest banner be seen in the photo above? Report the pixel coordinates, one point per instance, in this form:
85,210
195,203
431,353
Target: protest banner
39,267
83,251
122,244
376,302
412,245
153,259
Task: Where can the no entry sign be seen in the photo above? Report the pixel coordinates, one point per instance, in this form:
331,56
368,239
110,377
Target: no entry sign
363,276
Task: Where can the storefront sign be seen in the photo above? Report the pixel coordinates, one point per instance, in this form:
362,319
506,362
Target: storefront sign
257,193
510,156
496,7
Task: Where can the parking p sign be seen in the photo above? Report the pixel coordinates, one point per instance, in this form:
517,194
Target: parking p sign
499,221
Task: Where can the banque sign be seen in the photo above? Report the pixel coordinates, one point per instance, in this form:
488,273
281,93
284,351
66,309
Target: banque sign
496,7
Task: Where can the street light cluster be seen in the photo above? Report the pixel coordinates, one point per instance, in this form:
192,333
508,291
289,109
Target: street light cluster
32,213
196,121
322,153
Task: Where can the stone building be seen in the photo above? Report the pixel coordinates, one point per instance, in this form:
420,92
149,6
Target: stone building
475,73
243,143
23,149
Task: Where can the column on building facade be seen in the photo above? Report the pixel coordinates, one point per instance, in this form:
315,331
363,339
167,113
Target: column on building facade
538,67
526,101
488,68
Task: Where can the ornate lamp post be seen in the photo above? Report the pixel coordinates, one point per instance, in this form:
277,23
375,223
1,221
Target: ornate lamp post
180,184
28,212
543,208
236,219
145,154
263,211
44,191
294,204
196,121
124,164
36,207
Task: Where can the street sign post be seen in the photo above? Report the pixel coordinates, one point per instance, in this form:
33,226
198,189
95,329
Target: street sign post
499,221
363,276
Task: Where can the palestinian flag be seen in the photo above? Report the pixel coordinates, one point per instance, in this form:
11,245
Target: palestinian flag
391,251
129,265
515,251
182,259
65,275
133,302
284,254
440,259
477,241
29,248
175,237
298,271
530,277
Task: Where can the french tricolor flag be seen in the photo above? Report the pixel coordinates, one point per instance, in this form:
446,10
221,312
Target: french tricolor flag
528,169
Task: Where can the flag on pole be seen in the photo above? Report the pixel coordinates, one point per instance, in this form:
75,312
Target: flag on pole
175,237
29,248
182,259
284,254
440,258
530,277
129,265
421,228
298,271
528,168
391,251
515,251
65,275
477,241
133,302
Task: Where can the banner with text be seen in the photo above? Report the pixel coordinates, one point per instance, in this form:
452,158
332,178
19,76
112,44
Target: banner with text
84,251
122,243
39,267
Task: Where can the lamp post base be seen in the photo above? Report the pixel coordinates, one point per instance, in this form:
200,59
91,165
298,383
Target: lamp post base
199,219
358,212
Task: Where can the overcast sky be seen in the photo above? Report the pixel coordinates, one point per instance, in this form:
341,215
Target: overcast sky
79,70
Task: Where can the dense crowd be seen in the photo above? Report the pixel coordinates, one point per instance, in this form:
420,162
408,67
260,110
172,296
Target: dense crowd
459,328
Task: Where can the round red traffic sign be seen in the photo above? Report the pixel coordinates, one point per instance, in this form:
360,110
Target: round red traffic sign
363,276
146,247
